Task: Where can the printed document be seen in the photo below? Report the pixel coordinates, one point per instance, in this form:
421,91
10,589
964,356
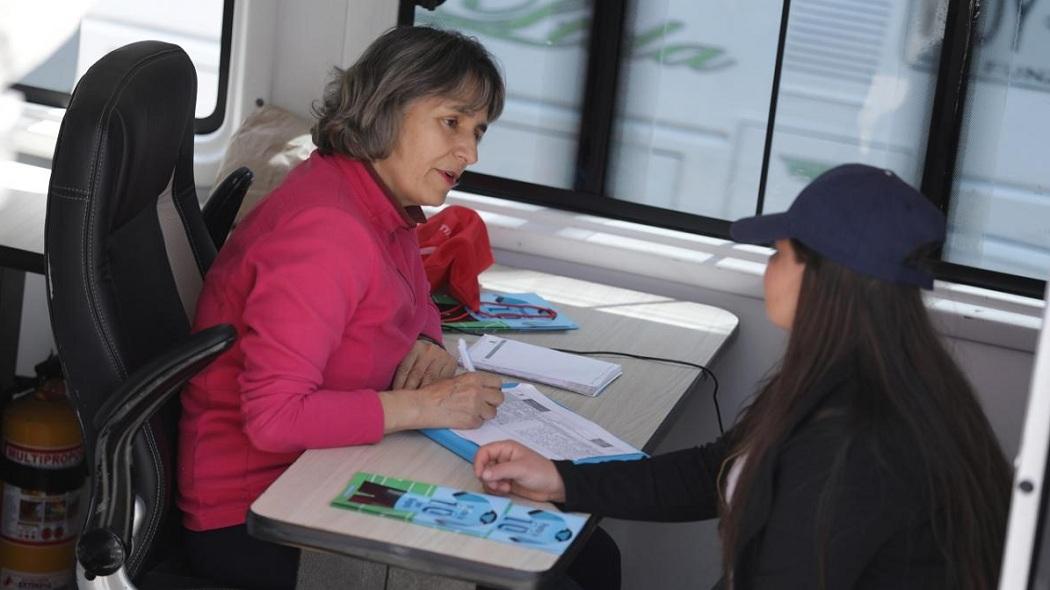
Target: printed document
538,422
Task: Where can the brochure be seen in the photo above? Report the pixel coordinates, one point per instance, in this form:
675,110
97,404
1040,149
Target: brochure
516,312
458,511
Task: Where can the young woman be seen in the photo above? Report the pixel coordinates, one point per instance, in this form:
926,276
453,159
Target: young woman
338,342
865,460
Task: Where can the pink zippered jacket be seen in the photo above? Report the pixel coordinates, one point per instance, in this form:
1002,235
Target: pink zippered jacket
324,284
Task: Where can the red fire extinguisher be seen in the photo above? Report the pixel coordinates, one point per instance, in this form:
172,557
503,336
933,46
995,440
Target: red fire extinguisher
42,490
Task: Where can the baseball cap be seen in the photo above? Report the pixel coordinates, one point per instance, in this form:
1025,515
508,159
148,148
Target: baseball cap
864,218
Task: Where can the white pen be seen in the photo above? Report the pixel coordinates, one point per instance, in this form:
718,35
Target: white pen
464,356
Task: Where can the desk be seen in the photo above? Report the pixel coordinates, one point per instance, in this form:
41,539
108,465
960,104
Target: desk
295,509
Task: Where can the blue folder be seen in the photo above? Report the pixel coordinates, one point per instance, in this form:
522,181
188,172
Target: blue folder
467,449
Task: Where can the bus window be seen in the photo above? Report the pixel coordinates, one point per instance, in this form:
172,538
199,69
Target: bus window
1001,193
195,25
721,110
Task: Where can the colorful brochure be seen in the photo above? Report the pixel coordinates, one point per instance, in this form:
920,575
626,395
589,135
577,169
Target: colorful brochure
458,511
517,312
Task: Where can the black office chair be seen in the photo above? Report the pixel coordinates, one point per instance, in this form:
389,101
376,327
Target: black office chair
224,202
126,248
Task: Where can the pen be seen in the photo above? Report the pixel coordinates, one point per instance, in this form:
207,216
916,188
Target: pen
464,356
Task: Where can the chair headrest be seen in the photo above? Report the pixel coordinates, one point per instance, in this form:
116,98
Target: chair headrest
131,116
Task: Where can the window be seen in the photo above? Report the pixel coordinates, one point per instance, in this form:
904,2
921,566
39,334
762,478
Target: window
1000,211
688,115
694,96
537,136
851,90
201,27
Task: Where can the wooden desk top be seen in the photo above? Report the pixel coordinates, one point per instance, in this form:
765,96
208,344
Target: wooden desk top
296,510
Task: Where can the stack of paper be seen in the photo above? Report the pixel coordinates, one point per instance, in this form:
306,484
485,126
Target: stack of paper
543,365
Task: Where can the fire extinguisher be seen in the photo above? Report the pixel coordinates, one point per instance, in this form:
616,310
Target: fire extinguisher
42,490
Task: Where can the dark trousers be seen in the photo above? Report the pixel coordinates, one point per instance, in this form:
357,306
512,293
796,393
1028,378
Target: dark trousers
233,557
597,565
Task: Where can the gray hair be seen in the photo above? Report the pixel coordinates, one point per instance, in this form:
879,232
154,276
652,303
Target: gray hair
361,111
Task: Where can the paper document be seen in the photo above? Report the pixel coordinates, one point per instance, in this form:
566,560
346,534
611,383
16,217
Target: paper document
543,365
536,421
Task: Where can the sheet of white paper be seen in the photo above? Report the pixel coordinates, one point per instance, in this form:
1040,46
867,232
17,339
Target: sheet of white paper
539,423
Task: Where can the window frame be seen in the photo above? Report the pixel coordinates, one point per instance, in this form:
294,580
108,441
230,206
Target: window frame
597,118
201,126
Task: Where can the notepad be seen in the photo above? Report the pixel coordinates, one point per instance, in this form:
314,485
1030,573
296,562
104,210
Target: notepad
543,365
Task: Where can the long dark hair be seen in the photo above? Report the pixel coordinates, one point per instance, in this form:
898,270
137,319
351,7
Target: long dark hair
911,387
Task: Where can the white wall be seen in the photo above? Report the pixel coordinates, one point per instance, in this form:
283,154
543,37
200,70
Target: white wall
34,336
314,35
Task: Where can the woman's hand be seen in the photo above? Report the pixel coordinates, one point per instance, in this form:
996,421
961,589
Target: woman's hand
508,467
464,401
424,364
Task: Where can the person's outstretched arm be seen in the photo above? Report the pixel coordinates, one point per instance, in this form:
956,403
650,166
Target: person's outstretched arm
674,487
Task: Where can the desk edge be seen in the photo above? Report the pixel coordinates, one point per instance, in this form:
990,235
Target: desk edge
268,529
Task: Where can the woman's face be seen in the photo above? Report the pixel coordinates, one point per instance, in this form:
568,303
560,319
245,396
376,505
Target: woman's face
783,281
438,139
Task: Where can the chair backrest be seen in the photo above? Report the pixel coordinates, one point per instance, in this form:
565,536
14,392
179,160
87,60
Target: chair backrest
126,246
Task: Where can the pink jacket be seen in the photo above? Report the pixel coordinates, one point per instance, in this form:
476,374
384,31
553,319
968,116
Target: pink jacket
324,283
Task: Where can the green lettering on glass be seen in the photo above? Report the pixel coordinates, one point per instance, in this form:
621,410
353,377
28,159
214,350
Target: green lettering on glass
805,169
571,21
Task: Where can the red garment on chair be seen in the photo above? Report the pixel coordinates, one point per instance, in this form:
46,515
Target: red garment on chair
455,248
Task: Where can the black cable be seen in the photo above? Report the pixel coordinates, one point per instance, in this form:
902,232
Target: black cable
702,368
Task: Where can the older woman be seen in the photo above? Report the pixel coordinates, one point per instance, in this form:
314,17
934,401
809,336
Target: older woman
339,342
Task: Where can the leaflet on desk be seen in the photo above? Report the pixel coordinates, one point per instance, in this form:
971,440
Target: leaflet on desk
458,511
543,425
514,312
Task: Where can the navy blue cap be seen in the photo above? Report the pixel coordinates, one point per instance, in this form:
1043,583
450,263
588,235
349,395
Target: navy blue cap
865,218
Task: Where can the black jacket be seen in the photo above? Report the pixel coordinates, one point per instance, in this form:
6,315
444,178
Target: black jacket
872,530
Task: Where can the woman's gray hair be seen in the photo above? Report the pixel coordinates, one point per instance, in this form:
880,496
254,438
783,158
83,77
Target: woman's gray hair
362,108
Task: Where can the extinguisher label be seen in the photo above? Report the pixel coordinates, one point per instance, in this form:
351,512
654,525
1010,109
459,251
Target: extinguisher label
16,580
39,518
44,458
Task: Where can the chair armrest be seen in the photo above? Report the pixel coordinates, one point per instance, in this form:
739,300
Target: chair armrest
107,531
224,202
